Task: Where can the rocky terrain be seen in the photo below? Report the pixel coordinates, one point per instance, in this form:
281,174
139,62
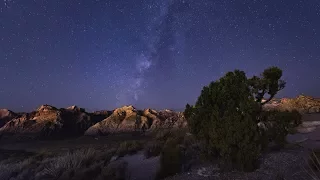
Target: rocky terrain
128,119
303,104
108,134
50,122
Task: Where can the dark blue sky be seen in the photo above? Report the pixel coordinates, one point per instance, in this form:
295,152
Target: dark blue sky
101,54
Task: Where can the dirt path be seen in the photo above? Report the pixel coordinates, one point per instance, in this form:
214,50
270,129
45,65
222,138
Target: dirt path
141,168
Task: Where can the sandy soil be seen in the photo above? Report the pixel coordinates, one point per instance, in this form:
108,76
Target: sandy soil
141,168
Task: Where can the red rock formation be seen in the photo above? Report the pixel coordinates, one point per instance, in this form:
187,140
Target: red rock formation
304,104
48,121
5,116
128,119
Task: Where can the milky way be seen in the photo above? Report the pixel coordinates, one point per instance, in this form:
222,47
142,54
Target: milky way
165,29
101,54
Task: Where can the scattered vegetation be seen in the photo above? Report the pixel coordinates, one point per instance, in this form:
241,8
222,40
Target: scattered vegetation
79,164
226,115
227,121
278,124
153,149
116,170
314,158
171,159
163,136
12,170
69,161
129,147
177,150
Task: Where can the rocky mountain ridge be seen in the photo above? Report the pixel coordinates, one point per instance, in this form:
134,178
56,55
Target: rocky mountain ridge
48,121
303,104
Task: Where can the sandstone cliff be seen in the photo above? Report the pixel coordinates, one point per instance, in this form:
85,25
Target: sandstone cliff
5,116
129,119
49,122
303,104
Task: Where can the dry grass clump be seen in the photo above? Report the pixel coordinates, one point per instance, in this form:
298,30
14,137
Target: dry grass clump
12,170
81,164
153,149
68,161
177,149
162,136
129,147
314,160
314,165
116,170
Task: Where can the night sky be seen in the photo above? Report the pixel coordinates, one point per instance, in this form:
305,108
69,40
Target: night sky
102,54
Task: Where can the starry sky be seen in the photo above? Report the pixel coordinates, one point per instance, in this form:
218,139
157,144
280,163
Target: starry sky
102,54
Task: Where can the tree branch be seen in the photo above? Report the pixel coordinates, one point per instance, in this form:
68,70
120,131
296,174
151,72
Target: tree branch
268,100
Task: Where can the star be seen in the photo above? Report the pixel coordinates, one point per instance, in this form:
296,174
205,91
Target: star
112,53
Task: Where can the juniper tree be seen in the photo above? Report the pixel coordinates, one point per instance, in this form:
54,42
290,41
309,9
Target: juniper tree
225,115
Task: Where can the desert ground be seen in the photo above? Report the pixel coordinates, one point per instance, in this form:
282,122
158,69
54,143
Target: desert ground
287,163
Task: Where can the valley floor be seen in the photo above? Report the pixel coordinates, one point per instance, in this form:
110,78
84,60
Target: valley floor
289,163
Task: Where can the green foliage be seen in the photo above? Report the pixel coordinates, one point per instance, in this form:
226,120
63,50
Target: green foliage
188,111
171,160
153,149
164,137
279,124
224,118
226,114
269,83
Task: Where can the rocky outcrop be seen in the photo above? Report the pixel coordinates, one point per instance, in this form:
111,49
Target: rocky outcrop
49,122
121,120
39,123
303,104
5,116
129,119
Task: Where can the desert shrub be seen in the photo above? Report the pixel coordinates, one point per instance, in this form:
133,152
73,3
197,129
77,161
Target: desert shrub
69,161
296,118
226,114
106,156
189,140
178,153
42,154
153,148
224,118
314,160
279,124
128,147
171,161
163,134
85,173
12,170
191,151
166,136
116,170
